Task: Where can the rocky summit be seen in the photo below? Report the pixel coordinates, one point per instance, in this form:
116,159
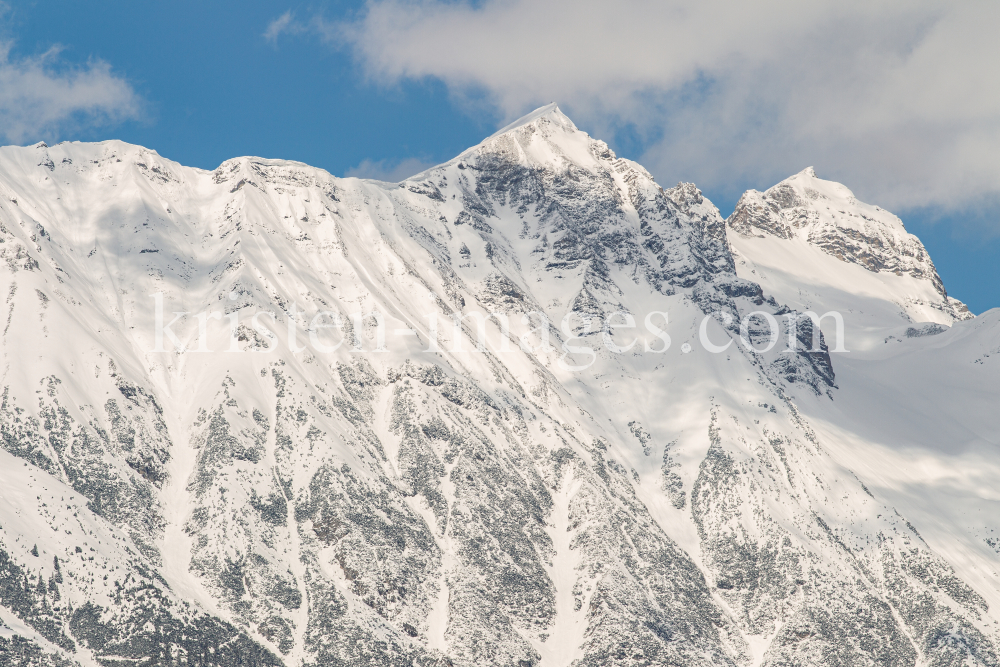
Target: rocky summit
527,408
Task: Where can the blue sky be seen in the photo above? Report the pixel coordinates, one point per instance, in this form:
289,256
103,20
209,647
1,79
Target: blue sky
214,88
381,88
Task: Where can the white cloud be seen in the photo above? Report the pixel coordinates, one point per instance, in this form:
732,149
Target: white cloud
898,99
391,171
287,24
283,24
40,96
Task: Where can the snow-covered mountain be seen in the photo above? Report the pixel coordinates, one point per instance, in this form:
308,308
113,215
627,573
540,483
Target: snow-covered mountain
525,408
809,242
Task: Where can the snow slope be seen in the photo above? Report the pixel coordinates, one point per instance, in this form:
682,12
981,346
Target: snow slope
810,242
324,468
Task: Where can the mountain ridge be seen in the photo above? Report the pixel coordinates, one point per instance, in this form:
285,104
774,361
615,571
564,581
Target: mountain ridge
422,494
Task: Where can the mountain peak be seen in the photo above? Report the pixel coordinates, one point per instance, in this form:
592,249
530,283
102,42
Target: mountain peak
545,138
550,111
823,225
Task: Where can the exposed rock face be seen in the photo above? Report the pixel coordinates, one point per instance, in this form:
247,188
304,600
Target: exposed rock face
827,216
364,452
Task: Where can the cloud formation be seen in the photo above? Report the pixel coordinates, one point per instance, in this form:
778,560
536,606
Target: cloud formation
897,99
39,96
287,24
279,26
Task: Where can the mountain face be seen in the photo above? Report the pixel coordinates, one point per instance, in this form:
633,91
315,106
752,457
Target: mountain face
796,238
525,408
